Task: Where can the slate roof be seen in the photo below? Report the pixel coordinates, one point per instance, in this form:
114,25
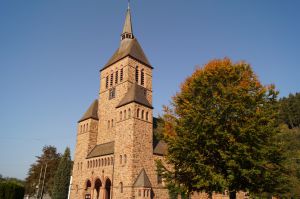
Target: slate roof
128,47
91,112
160,148
142,180
136,94
102,149
127,25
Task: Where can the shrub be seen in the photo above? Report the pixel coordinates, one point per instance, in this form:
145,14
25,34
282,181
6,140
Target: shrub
11,190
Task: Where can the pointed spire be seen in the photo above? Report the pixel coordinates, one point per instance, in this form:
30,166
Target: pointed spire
127,29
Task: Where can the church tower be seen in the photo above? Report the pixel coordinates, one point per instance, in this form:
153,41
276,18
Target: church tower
125,110
115,151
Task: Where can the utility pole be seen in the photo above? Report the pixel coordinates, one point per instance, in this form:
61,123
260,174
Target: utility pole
38,187
70,187
42,193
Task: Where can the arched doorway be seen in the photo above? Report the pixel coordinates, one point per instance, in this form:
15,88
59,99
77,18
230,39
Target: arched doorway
107,188
88,186
97,186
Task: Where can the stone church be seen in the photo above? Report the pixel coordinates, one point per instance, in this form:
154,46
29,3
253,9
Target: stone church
115,149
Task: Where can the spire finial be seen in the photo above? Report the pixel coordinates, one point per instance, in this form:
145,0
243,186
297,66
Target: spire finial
128,5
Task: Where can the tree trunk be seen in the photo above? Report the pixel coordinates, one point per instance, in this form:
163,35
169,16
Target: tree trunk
232,195
210,195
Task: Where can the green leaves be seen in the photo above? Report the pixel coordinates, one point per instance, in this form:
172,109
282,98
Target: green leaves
290,110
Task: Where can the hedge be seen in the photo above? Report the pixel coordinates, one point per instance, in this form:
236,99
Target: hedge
11,190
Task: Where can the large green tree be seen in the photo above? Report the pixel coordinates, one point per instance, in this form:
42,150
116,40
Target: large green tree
220,131
49,157
62,176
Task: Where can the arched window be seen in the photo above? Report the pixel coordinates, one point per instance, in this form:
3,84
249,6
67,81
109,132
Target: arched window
94,163
78,166
120,115
129,113
87,127
102,163
81,166
80,128
137,74
142,77
112,160
121,75
140,192
111,79
138,113
121,187
124,114
125,159
106,82
142,114
117,77
108,124
120,159
105,162
147,116
112,123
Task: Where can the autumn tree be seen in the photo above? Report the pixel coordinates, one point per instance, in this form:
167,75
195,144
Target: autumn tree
220,130
49,157
62,177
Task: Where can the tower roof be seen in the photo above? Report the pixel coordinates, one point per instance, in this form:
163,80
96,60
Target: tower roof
142,180
136,94
91,112
129,45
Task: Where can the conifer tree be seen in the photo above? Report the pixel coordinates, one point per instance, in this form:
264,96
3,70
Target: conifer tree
220,130
290,110
62,177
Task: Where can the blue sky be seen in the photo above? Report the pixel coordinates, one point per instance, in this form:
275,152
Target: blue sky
51,53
